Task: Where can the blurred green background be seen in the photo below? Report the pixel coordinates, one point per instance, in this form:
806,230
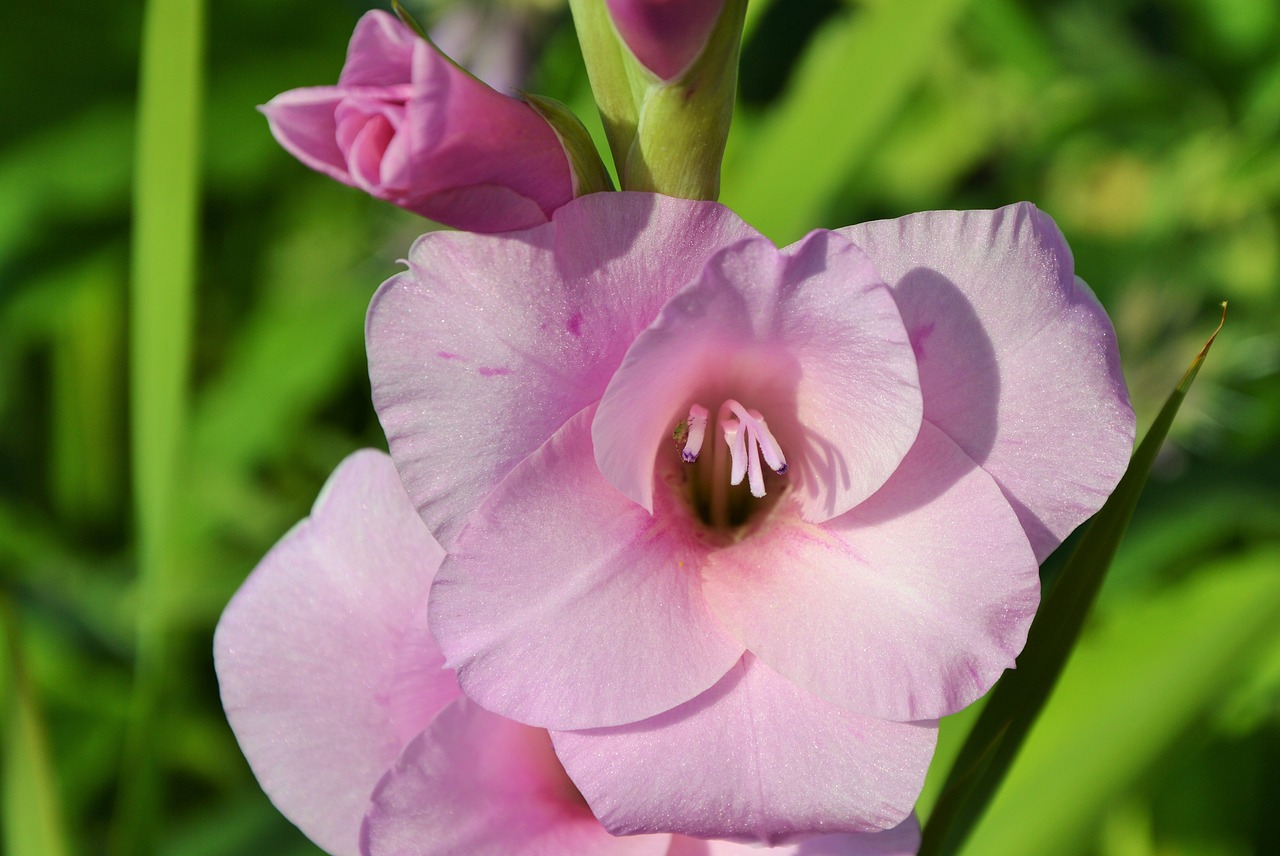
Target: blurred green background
170,405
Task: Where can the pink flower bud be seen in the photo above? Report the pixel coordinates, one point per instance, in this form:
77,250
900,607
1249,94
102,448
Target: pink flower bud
407,125
666,36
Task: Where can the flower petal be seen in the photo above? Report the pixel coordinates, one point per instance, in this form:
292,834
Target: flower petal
489,343
753,757
809,335
460,133
1018,361
902,840
479,784
380,52
303,122
908,607
311,652
565,605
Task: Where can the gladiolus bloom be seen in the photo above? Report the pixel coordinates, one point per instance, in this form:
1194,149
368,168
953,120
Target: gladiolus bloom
896,421
407,125
335,690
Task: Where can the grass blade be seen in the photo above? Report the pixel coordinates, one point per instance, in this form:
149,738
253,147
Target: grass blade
165,211
31,808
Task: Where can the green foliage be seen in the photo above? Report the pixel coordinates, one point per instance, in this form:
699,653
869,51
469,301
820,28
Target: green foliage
1150,131
28,796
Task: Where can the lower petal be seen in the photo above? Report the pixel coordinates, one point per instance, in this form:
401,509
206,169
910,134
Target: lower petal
477,784
311,652
566,605
902,840
908,607
754,757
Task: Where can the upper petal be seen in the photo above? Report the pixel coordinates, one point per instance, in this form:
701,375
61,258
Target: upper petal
322,658
809,335
563,604
475,783
753,757
908,607
489,343
1018,361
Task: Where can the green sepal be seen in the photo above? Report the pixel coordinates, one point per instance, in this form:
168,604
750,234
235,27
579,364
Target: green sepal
684,123
603,53
665,136
589,172
408,20
1017,699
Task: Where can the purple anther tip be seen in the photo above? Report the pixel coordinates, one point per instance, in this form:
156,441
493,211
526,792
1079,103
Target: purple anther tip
688,457
782,470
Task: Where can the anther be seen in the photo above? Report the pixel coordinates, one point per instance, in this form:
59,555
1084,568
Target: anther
748,438
695,430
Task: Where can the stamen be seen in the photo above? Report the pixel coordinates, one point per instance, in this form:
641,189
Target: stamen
695,430
748,438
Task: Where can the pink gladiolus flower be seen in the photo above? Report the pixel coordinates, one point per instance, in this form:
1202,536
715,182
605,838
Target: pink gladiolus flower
335,690
407,125
666,36
746,632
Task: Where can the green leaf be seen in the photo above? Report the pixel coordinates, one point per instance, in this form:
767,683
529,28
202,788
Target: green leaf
854,79
1017,699
31,807
408,20
1140,693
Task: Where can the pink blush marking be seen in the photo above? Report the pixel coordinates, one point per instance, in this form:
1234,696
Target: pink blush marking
918,335
489,371
445,355
574,324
